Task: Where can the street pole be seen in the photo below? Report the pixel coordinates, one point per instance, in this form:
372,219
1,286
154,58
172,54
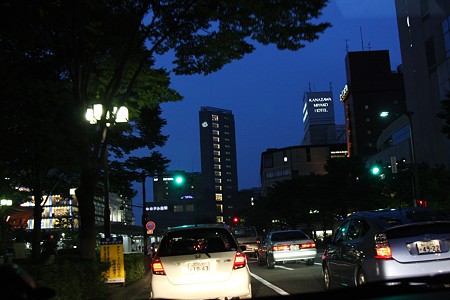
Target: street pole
414,178
144,200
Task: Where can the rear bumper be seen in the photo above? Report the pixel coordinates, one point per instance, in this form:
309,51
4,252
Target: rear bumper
238,285
284,256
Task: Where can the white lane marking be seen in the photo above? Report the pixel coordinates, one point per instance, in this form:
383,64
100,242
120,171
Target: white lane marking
269,285
283,267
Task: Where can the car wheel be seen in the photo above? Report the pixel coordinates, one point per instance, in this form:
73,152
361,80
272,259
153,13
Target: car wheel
258,258
270,262
360,277
310,262
326,278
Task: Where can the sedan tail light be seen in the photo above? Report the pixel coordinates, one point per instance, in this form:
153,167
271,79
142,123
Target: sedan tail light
382,247
240,261
157,267
308,245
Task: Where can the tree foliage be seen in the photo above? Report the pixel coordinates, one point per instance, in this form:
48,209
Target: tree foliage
105,51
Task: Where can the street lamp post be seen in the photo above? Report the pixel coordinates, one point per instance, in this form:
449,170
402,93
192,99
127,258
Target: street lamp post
118,115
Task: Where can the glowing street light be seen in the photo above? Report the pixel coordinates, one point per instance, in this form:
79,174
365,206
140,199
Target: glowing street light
118,115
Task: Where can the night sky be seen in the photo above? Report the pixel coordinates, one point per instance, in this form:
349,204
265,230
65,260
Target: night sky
265,89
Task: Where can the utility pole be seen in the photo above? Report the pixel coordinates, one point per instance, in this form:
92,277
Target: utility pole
144,215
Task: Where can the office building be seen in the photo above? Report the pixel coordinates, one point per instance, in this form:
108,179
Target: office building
424,34
372,88
318,120
286,163
218,162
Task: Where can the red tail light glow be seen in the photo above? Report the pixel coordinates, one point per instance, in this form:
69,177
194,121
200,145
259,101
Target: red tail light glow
281,247
157,267
240,261
382,247
308,245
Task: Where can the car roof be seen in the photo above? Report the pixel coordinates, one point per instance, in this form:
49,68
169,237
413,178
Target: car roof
386,218
197,226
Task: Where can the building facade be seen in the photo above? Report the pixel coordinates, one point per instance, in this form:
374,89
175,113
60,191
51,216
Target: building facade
218,162
318,118
424,34
286,163
372,88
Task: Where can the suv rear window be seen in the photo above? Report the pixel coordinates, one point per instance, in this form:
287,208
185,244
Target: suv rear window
198,240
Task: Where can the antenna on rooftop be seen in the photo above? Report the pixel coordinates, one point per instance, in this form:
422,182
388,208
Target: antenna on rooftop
362,41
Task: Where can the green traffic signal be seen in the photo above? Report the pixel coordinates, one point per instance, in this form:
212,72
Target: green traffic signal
375,170
179,180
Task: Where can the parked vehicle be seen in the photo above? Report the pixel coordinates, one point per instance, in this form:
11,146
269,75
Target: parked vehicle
247,236
286,246
200,262
387,245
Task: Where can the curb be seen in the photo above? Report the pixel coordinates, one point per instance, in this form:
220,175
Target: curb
132,291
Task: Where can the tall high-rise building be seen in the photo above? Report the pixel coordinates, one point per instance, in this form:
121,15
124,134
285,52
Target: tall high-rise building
424,34
219,164
372,87
319,120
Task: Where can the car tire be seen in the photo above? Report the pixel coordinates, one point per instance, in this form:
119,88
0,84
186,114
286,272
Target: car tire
360,277
258,258
310,262
270,262
326,278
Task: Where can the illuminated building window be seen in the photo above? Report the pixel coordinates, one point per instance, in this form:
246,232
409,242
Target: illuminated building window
216,139
218,197
217,173
216,153
366,106
215,118
285,159
218,180
218,187
216,146
219,208
367,119
217,159
219,219
215,125
215,132
178,208
189,207
217,167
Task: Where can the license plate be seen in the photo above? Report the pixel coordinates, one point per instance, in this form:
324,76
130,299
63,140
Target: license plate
429,247
294,247
198,267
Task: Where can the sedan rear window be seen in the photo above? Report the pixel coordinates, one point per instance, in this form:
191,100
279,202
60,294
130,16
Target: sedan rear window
288,236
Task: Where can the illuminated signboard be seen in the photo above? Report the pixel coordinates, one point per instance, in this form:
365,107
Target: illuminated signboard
318,108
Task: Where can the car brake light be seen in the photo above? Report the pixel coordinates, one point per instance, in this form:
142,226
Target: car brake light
281,247
157,267
308,245
382,247
240,261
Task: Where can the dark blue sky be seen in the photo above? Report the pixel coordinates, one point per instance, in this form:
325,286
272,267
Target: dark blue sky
265,89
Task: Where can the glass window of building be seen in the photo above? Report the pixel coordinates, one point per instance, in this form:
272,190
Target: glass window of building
218,197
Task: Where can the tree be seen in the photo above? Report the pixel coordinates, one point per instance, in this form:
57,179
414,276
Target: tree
106,50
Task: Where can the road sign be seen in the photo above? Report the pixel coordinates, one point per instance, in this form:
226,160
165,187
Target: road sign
394,164
150,226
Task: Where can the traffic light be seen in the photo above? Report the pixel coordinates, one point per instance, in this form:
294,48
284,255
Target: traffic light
235,220
179,180
375,170
422,203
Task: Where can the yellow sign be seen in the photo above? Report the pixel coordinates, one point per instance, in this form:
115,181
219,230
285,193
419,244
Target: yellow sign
111,250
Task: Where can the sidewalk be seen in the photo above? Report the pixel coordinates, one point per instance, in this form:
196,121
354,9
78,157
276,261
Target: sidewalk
139,290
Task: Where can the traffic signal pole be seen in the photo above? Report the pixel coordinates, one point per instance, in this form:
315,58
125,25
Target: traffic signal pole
144,200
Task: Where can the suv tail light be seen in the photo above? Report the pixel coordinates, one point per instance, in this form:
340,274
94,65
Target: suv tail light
157,267
240,261
382,247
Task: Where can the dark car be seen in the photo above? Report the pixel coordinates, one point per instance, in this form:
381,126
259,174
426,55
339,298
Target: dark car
387,245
